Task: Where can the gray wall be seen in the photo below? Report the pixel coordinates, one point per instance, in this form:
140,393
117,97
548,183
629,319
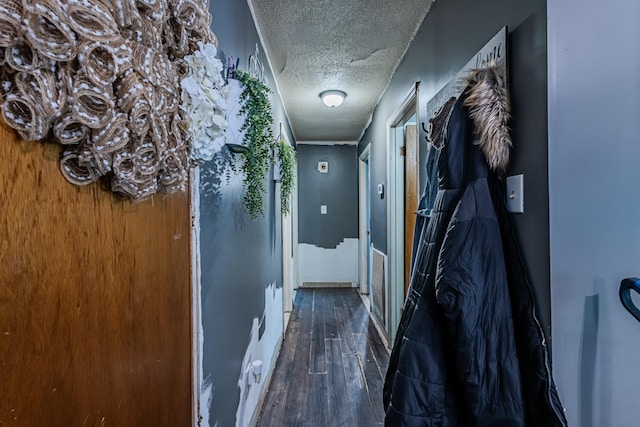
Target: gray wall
337,189
451,34
240,257
594,202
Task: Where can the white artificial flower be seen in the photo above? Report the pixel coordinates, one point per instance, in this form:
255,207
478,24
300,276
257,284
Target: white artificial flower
208,49
204,103
190,86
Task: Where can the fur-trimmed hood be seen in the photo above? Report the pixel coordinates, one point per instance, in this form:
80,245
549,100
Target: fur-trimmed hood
490,109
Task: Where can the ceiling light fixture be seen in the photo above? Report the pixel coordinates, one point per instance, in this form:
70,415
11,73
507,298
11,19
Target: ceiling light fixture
332,98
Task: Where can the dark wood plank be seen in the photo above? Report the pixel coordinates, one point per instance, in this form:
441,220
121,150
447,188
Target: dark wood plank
345,331
316,409
304,307
373,375
277,394
300,383
339,411
357,396
356,312
299,388
350,392
330,320
317,357
379,350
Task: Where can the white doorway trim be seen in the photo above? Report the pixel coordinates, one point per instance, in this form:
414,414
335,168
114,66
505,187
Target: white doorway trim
395,207
289,244
196,311
287,264
294,232
364,248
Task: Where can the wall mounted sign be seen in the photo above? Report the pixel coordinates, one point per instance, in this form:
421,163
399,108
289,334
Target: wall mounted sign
494,51
433,112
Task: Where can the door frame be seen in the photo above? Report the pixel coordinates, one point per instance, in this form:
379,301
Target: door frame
395,205
289,244
196,284
294,231
363,192
287,262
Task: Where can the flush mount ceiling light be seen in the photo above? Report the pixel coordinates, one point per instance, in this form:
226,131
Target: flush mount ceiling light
332,98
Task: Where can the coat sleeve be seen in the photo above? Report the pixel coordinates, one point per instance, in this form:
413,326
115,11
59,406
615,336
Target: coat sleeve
472,291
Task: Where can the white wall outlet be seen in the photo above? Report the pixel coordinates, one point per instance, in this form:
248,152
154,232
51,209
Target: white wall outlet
254,372
323,209
515,193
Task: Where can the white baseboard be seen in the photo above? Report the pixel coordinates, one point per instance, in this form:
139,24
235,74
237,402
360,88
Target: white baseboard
328,285
367,303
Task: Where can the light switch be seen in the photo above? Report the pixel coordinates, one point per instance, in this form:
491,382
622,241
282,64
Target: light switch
515,193
323,209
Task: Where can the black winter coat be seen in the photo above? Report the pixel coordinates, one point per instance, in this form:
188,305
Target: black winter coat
469,350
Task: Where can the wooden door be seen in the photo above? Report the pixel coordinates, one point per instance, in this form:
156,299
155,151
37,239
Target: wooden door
95,300
410,196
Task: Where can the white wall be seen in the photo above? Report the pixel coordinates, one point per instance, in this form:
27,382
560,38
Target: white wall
594,206
340,264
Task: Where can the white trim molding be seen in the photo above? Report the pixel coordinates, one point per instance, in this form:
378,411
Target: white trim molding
196,310
395,205
364,247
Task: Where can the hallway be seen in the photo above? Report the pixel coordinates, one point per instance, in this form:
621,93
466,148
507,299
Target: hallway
331,366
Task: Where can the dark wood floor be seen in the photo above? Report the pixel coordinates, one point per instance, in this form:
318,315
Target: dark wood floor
331,367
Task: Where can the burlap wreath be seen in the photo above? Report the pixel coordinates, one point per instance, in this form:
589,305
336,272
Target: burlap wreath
103,78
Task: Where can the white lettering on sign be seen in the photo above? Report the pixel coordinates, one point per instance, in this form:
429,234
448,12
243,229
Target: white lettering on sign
493,55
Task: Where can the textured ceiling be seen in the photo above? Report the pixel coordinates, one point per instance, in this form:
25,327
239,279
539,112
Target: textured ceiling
350,45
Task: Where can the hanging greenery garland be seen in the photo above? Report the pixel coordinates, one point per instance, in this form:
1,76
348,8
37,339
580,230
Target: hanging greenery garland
287,158
258,138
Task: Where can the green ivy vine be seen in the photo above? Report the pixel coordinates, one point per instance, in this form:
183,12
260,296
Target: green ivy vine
258,138
287,158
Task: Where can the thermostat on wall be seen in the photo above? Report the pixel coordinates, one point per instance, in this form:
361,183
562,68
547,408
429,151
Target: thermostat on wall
323,167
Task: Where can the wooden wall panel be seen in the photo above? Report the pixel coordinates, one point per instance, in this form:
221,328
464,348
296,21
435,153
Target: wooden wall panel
95,300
